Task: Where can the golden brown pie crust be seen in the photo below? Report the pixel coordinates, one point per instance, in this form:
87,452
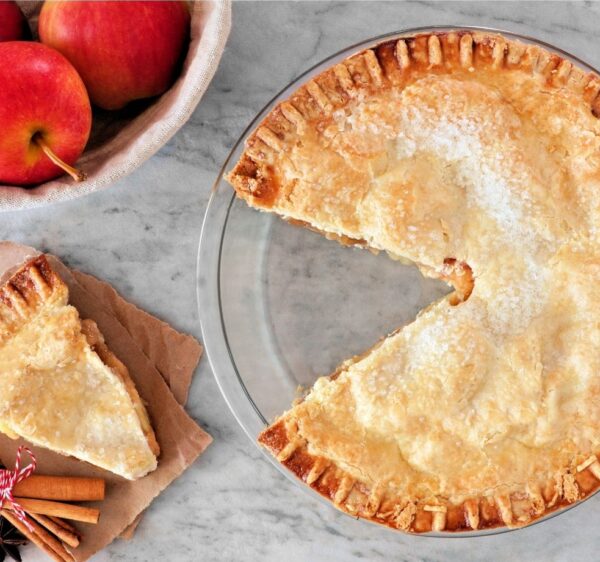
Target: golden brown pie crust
392,66
33,287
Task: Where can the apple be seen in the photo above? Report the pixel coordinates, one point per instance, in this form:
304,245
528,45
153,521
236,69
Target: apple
12,23
123,51
45,114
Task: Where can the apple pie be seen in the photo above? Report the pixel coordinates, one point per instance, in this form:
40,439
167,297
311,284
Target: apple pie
477,158
60,385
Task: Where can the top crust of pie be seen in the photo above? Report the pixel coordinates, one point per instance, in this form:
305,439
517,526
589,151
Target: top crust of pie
60,385
452,148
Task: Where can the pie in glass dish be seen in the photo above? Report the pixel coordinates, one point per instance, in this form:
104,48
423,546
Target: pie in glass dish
61,387
476,158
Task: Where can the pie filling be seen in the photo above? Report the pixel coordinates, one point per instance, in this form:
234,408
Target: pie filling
479,161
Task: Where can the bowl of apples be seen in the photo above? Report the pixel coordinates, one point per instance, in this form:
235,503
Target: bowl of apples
89,90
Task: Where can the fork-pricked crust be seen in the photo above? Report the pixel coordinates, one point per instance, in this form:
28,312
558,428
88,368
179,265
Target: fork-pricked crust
25,292
477,158
393,64
477,513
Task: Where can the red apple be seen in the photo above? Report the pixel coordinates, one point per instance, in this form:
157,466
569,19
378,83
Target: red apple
124,51
45,114
12,23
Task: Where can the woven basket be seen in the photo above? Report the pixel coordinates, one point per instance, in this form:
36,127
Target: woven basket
121,141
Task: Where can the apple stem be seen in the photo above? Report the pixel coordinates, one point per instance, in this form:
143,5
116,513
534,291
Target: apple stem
76,174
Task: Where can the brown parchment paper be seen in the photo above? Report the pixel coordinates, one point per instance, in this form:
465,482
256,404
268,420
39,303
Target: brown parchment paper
174,354
180,438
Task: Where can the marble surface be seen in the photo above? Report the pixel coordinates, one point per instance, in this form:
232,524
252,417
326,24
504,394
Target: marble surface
142,236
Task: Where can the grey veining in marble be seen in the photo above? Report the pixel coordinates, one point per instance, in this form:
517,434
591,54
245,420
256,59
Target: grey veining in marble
142,236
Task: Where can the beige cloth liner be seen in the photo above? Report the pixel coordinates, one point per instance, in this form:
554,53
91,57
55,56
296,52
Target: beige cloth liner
144,135
156,355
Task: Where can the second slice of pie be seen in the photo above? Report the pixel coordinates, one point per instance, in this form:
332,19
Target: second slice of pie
60,385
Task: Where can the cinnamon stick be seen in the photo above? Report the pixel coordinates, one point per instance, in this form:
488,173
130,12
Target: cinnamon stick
51,541
66,536
60,555
58,509
62,523
62,488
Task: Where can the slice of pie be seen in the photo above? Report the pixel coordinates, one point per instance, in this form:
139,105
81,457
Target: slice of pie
60,386
477,158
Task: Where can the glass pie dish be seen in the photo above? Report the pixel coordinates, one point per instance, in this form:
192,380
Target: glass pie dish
281,306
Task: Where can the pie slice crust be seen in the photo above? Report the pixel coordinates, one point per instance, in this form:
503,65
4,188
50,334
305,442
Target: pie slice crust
60,385
476,158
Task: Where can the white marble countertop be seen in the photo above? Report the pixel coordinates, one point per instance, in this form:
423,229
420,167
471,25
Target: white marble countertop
142,236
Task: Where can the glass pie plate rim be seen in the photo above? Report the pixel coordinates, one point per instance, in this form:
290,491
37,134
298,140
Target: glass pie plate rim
208,286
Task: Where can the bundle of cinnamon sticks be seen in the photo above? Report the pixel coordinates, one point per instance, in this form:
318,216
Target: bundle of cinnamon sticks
43,500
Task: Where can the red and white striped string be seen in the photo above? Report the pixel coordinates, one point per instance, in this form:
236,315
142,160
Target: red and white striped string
10,478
